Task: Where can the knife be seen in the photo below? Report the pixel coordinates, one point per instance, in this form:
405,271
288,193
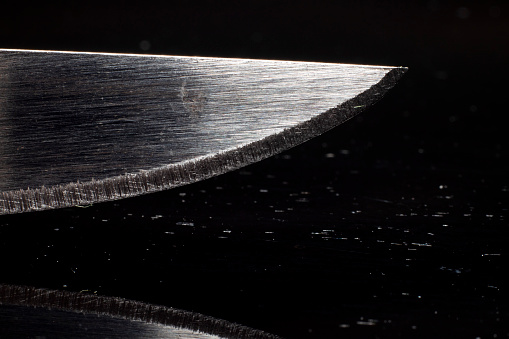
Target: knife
78,128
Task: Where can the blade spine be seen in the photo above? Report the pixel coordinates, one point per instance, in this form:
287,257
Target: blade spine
197,58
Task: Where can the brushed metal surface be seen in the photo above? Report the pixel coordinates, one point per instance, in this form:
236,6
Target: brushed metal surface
78,128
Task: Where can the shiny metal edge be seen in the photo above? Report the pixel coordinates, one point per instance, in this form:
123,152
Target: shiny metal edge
186,57
13,295
179,174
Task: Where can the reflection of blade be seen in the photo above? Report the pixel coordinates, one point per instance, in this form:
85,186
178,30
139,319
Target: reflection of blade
29,312
79,128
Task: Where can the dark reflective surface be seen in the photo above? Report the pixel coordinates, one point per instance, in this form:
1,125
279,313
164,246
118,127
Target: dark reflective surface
393,225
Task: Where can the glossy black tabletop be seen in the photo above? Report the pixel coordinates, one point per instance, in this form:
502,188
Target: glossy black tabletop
394,224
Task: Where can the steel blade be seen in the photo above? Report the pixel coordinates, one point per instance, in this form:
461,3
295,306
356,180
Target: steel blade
78,128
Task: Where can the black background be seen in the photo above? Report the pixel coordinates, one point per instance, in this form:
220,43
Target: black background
393,224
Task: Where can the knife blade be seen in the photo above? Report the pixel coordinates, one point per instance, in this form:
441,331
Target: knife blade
78,128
